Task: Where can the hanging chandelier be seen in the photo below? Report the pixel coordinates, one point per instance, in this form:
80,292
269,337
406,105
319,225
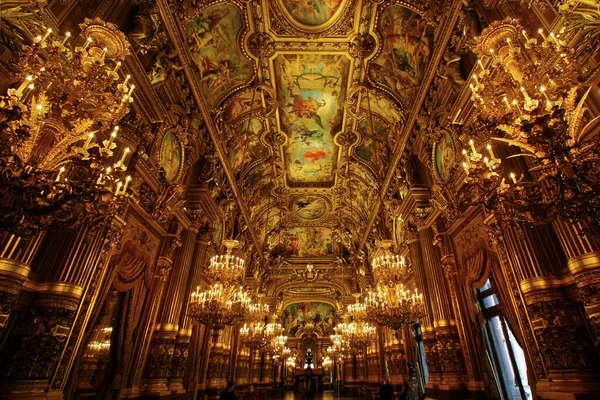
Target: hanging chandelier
227,267
219,306
357,334
338,349
225,302
388,268
527,90
253,333
60,164
394,306
278,349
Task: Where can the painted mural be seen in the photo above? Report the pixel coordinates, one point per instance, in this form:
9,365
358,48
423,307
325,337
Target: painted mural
310,207
243,145
213,42
305,242
379,103
297,315
374,148
407,47
444,157
312,12
170,156
311,87
240,105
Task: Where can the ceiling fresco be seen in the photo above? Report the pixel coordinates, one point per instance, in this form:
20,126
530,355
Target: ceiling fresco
310,207
312,12
213,37
310,99
407,46
316,316
311,90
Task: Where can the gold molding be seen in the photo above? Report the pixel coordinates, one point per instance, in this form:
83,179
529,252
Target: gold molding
60,289
588,261
14,269
166,328
540,283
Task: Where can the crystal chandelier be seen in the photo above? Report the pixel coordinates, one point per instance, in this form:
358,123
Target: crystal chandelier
527,89
219,305
357,334
253,333
224,302
337,350
388,268
394,306
60,164
227,267
278,349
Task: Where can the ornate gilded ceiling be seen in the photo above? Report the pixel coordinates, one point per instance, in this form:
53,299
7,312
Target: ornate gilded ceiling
309,100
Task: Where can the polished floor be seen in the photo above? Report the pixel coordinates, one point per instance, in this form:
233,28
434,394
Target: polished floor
319,396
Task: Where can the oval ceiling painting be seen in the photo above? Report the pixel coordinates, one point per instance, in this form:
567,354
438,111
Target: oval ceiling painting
312,12
310,207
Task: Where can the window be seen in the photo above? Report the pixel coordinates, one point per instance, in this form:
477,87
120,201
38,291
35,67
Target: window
508,359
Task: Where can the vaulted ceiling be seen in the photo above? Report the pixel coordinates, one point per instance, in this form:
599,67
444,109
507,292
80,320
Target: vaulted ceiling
309,103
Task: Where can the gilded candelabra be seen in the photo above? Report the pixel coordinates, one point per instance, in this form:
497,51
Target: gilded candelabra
278,349
60,164
338,348
527,89
357,334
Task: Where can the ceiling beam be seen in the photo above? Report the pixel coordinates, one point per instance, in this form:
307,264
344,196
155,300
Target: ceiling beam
447,28
175,36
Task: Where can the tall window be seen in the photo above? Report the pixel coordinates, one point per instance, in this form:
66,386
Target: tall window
508,359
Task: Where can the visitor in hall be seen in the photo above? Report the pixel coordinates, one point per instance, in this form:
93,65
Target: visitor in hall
386,391
229,392
252,394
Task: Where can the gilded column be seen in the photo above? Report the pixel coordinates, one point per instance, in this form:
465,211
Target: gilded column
16,254
563,343
583,255
421,280
71,267
166,331
197,261
448,344
395,356
133,382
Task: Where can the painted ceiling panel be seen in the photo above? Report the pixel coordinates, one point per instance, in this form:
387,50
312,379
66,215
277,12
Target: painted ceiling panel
244,147
312,12
311,89
213,38
407,46
375,148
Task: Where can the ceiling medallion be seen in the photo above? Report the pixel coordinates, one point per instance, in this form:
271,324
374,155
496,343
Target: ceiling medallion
310,207
261,45
318,18
362,46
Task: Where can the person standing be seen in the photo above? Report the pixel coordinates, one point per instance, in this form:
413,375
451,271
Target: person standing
252,395
386,391
310,384
229,392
